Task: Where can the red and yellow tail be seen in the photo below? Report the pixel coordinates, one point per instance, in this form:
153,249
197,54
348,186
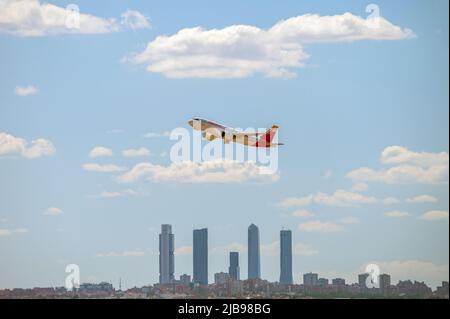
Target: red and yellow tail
267,138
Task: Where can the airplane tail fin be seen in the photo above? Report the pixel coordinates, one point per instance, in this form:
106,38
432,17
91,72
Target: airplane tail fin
267,138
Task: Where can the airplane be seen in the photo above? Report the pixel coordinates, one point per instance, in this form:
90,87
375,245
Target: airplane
213,130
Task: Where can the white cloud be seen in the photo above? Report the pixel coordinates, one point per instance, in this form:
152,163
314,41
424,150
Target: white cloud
183,251
4,232
136,152
349,220
109,194
53,211
304,250
410,168
156,135
217,171
103,168
134,20
303,213
360,187
396,214
225,250
100,151
11,145
343,198
38,148
319,227
127,253
405,174
422,199
400,155
296,201
31,18
340,198
434,215
390,201
239,51
26,90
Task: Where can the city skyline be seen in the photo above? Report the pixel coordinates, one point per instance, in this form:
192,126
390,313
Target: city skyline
200,264
224,286
358,91
368,284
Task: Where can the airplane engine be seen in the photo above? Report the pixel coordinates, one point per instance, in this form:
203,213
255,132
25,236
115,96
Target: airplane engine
209,136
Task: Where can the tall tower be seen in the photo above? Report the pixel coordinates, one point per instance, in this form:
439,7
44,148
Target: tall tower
166,257
233,270
201,256
254,269
286,257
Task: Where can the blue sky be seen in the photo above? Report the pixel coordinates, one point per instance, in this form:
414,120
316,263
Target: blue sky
337,113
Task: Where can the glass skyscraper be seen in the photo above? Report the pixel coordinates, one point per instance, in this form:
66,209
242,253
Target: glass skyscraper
166,257
233,270
286,257
201,256
254,268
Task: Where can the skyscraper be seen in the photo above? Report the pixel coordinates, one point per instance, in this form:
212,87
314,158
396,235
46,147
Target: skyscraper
166,258
286,257
201,256
233,270
254,268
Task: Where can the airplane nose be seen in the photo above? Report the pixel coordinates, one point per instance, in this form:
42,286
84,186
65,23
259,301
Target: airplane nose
191,123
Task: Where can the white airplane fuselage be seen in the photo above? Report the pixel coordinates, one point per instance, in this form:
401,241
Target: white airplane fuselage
213,130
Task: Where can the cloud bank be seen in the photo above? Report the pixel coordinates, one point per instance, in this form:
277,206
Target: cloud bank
217,171
11,145
239,51
100,151
340,198
409,168
4,232
33,18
